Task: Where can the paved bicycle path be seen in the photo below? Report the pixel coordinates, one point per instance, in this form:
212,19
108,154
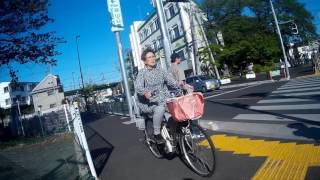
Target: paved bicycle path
119,153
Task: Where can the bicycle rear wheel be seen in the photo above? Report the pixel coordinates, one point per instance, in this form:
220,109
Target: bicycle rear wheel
198,150
153,146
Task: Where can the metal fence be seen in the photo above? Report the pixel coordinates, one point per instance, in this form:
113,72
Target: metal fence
40,124
119,108
49,140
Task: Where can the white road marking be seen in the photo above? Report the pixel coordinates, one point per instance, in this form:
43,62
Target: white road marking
299,84
269,117
302,86
286,107
230,99
296,90
298,94
231,91
284,100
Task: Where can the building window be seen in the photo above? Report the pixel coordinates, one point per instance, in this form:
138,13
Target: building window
176,32
157,24
146,32
182,55
50,92
53,105
21,88
171,12
154,45
152,27
8,101
141,36
159,42
6,89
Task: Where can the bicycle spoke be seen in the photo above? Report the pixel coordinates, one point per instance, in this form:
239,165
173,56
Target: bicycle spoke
199,155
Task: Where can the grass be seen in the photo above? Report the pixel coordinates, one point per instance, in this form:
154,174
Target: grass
20,142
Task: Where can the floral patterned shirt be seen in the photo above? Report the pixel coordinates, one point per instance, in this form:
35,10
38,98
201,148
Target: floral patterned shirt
156,81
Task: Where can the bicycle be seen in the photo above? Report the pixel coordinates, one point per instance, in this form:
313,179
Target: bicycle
185,138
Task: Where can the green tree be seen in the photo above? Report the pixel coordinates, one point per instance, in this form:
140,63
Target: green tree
21,38
249,32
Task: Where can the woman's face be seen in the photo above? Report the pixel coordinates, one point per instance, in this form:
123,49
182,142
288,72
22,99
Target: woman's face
150,59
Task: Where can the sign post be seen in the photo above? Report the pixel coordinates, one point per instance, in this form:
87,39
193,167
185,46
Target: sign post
117,26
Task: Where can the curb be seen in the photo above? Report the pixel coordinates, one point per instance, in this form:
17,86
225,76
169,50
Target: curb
248,84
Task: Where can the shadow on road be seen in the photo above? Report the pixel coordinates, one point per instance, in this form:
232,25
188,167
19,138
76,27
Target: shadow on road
102,151
262,95
303,130
63,169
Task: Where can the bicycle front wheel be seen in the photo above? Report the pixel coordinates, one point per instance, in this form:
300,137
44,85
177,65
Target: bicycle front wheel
153,146
198,150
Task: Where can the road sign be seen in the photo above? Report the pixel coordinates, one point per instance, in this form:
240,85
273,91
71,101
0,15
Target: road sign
116,16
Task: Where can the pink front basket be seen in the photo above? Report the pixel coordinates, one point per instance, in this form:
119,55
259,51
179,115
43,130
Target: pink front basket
186,107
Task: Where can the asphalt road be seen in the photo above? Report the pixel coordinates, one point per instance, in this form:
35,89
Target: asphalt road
119,153
281,110
242,153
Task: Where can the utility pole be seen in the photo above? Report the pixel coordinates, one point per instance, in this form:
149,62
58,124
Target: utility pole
281,41
210,52
117,26
194,42
20,120
74,85
81,75
164,32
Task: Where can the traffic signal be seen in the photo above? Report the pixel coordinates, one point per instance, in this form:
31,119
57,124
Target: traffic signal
294,28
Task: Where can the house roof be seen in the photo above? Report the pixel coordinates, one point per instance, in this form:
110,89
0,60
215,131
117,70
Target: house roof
38,87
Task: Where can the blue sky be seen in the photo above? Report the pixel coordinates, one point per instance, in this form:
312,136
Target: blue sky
98,52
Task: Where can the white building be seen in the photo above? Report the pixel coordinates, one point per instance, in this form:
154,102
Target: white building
10,93
147,34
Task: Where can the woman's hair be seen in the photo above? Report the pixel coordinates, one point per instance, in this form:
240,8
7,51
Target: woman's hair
145,52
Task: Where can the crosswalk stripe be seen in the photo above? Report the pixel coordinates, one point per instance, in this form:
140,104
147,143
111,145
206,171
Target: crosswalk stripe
296,90
301,86
308,79
298,94
269,117
283,100
304,81
286,107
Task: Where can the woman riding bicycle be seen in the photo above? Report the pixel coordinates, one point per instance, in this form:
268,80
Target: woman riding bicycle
152,90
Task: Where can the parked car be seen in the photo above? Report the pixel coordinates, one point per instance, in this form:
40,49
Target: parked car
108,99
203,83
